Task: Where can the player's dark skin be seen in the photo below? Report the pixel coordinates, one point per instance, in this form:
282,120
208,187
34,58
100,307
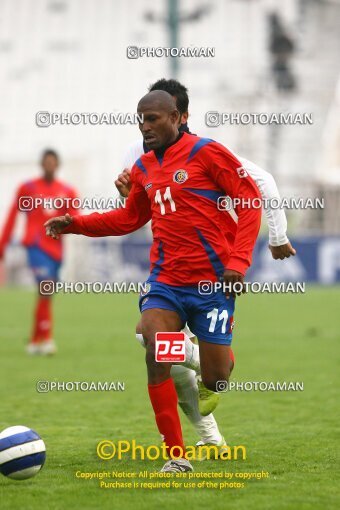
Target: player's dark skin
159,130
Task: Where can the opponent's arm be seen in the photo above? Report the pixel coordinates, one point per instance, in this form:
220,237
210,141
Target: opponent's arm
279,244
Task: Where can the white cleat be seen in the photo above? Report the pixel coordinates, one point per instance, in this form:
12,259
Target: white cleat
45,348
48,348
222,448
33,349
177,466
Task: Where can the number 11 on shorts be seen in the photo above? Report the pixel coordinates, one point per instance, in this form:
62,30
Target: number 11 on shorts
213,315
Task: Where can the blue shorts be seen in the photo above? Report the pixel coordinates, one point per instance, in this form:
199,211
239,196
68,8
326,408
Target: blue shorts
43,265
210,317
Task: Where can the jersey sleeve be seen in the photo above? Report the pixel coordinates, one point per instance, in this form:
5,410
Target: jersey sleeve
10,220
276,218
224,169
135,214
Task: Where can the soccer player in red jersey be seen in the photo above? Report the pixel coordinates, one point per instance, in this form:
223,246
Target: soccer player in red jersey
177,185
196,401
44,255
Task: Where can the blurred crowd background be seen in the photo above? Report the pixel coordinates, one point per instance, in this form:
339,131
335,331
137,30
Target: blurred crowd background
270,56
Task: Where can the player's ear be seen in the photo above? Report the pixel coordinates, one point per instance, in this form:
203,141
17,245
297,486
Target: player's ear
174,116
184,117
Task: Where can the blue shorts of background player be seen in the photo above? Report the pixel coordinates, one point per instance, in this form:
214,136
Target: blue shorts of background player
209,316
44,267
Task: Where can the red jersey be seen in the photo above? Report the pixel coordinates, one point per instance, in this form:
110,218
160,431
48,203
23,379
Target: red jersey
34,234
179,192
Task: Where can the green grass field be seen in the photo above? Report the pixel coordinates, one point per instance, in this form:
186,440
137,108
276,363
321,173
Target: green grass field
292,435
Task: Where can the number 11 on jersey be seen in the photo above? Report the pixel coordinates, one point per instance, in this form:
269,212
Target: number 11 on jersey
166,196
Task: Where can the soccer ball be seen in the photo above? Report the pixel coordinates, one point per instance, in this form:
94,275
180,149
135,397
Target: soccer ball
22,452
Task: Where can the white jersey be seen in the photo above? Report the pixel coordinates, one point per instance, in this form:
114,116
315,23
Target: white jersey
276,218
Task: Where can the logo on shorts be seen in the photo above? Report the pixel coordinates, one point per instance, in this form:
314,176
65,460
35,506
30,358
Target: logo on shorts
180,176
242,172
146,289
170,347
145,300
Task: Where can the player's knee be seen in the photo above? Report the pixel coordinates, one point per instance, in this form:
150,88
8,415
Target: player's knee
148,332
150,357
157,372
46,289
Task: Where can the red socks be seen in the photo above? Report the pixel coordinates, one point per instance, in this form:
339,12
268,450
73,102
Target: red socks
163,398
43,320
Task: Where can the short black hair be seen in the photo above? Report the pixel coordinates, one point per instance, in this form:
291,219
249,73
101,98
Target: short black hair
50,152
174,88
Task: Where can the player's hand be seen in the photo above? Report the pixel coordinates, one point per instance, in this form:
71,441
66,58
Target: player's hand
282,252
55,226
123,183
231,277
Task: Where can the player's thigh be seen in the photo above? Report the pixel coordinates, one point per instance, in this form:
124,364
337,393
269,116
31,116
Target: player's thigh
158,319
215,361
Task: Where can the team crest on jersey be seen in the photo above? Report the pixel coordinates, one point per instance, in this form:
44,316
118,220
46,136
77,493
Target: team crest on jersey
180,176
148,186
242,172
146,289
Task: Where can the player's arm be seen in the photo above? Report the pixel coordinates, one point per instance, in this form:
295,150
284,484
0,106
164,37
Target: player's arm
222,167
133,216
279,243
10,221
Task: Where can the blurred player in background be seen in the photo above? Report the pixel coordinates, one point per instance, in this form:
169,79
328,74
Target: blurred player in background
44,256
195,400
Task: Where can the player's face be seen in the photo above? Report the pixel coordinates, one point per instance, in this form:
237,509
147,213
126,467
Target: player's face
49,165
159,128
